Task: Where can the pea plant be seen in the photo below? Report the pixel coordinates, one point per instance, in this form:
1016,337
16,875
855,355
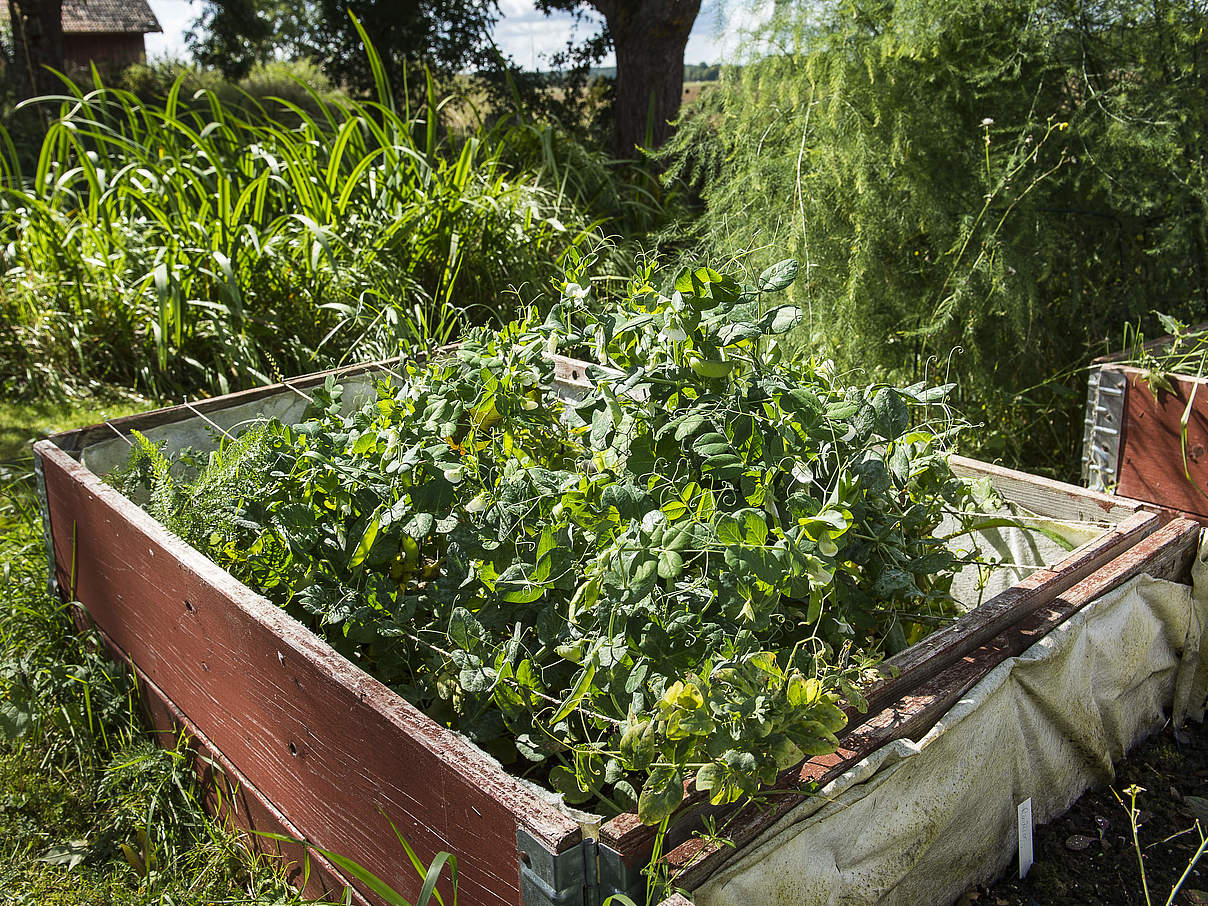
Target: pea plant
678,573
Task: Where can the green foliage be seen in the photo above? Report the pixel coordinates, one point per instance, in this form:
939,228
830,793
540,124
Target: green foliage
177,247
1011,177
447,36
702,72
684,568
236,36
1179,350
301,83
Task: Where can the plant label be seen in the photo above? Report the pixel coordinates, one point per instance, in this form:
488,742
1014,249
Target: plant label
1025,837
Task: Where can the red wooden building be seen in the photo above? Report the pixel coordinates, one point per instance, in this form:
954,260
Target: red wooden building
108,33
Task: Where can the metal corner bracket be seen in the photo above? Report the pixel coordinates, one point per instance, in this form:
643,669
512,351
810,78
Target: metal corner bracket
1105,393
587,874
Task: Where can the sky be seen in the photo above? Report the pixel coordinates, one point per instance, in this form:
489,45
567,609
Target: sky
522,33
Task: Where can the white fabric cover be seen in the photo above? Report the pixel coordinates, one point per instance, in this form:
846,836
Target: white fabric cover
920,823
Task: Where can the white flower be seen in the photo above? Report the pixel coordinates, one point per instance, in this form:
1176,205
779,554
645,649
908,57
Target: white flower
576,292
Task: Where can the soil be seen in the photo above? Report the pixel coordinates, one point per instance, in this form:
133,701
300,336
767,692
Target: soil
1087,856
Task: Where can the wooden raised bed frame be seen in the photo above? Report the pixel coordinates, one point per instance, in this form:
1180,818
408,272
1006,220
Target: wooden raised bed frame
1134,438
299,741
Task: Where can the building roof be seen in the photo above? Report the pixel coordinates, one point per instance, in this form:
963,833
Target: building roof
129,16
102,17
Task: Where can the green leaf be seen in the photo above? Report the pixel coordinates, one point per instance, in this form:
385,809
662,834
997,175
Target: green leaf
432,878
419,526
726,465
645,574
464,629
895,583
354,869
671,564
712,444
690,425
841,409
637,748
541,572
563,779
756,528
828,524
674,509
730,334
710,775
892,413
899,462
729,529
14,720
523,595
779,276
781,319
661,795
830,715
546,542
989,522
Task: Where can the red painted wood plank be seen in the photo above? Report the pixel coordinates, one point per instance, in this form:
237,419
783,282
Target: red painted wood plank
334,750
1151,444
231,797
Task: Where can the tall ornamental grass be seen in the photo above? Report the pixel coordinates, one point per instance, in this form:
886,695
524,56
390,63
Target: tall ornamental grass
192,244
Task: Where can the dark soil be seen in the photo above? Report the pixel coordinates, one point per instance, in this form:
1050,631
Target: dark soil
1087,856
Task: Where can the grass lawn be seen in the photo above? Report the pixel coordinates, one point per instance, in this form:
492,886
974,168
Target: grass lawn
23,423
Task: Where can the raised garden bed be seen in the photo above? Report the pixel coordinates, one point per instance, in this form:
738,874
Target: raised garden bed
1135,442
301,742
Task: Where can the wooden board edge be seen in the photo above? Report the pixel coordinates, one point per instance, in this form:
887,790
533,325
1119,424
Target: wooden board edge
543,820
323,879
1075,501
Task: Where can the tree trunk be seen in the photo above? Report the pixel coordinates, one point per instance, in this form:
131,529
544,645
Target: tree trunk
649,37
37,44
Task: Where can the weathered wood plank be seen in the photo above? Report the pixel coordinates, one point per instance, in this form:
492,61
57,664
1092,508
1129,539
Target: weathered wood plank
1151,456
1047,496
1166,554
334,750
229,796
